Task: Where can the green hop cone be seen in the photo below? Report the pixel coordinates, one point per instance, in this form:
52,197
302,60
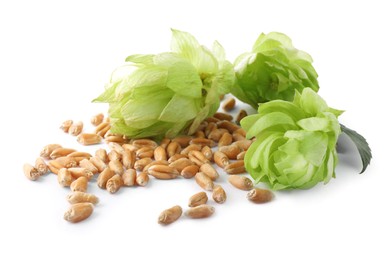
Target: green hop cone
273,70
168,93
295,142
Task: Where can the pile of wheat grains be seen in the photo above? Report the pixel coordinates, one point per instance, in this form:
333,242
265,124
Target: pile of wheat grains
134,162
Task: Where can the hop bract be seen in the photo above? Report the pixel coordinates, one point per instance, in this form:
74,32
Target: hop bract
295,142
169,93
273,70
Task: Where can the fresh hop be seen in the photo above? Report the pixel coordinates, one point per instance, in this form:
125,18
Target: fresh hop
295,142
168,93
274,69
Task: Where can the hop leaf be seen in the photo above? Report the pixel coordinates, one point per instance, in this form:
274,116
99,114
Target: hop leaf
274,69
167,93
361,144
295,146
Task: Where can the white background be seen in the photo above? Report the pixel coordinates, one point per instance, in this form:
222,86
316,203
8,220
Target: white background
56,56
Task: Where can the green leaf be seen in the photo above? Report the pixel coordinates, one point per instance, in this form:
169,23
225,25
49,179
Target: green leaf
202,114
312,103
146,77
218,51
313,123
225,78
141,58
184,80
150,109
271,121
248,121
167,59
184,44
188,47
181,107
361,144
108,95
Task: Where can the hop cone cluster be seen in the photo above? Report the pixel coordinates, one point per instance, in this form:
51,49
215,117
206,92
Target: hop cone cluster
295,142
168,93
274,69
